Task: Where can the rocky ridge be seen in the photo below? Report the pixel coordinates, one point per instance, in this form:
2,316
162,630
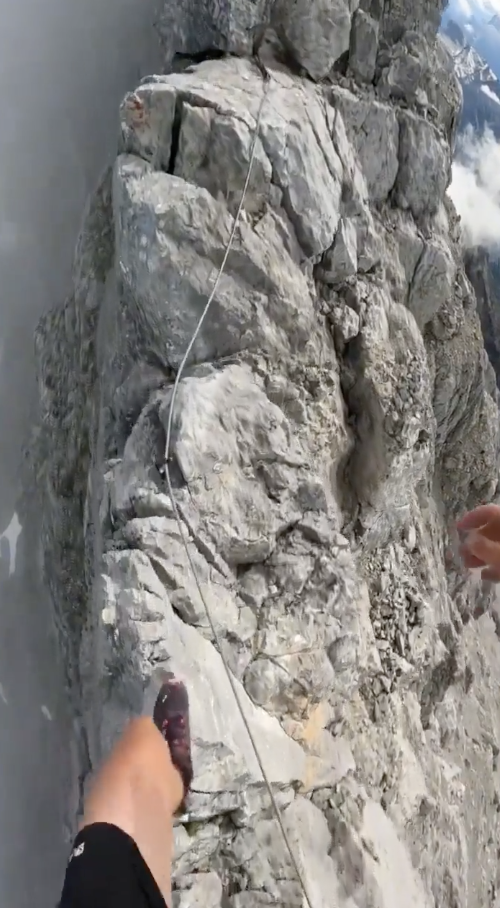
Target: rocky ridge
483,270
338,412
480,86
469,65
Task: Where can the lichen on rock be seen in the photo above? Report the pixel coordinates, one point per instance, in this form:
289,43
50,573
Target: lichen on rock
336,414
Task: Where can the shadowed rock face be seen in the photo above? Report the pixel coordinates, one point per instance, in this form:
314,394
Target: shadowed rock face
63,70
336,415
483,270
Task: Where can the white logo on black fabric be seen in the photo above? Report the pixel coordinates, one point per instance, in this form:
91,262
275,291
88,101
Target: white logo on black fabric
77,851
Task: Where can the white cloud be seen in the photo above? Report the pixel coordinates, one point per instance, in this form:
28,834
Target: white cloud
475,188
484,9
492,6
467,8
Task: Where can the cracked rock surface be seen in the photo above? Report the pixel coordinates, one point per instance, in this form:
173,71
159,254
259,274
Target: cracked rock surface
336,415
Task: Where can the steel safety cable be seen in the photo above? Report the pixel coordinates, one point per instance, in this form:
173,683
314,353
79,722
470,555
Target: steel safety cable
181,525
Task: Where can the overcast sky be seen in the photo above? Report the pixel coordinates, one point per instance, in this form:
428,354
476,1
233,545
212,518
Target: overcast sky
467,7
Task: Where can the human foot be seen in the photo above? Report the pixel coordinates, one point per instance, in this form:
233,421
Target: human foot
171,717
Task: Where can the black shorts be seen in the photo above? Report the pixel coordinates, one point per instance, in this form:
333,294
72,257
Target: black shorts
107,870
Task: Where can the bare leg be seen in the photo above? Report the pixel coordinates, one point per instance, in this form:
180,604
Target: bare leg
138,790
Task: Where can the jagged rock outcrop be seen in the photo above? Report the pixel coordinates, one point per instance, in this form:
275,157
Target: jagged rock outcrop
336,415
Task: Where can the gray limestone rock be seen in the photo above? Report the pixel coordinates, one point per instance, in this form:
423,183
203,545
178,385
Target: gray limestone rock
346,324
410,248
199,890
315,31
341,261
373,130
146,123
224,429
335,416
269,876
404,15
402,77
391,398
190,28
433,282
368,240
296,153
226,152
155,212
364,46
145,633
424,165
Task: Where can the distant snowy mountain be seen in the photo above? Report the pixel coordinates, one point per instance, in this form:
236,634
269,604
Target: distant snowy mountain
472,35
469,65
480,85
480,25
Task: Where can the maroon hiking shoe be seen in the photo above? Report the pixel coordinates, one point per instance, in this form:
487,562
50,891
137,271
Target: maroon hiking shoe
171,717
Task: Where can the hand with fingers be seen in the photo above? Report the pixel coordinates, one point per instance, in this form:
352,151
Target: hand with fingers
479,532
